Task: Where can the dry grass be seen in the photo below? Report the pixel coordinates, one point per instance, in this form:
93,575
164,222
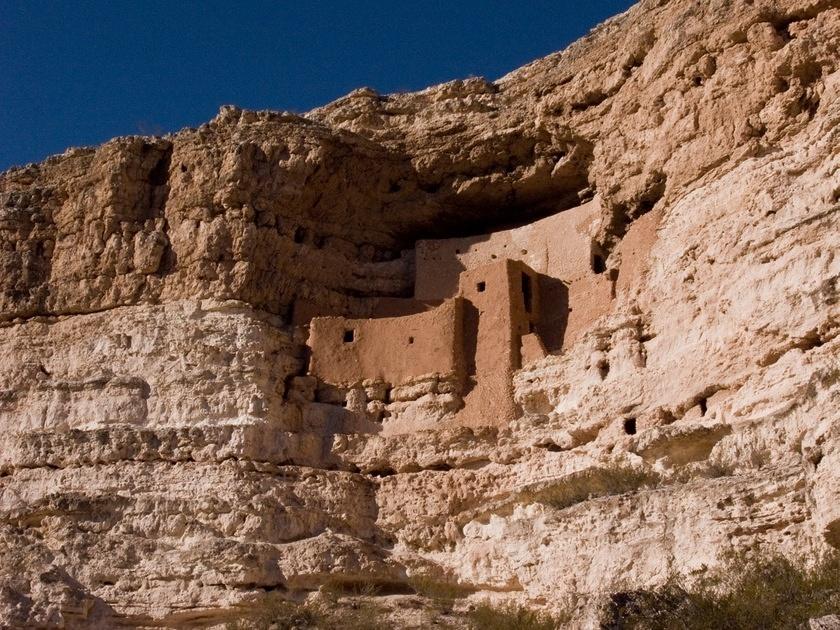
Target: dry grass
592,483
438,590
364,616
274,614
277,614
511,617
766,594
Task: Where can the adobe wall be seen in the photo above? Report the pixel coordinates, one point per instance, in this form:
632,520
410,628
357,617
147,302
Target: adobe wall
495,319
304,311
589,298
398,307
394,350
559,246
634,250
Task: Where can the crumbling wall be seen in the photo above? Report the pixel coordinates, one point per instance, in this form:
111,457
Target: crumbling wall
393,349
633,253
558,246
589,298
475,339
575,286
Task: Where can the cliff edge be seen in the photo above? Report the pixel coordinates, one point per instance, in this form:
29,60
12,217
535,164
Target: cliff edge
177,445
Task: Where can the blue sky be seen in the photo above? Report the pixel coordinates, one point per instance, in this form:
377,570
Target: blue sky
78,72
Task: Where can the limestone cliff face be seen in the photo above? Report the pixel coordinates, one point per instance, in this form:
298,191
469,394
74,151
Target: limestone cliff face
165,460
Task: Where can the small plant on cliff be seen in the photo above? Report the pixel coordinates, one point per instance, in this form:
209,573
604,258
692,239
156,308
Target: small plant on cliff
438,589
273,614
512,617
361,616
443,594
277,614
594,482
760,594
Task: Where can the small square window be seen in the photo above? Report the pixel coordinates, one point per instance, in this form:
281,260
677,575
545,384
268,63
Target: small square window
349,336
411,340
481,287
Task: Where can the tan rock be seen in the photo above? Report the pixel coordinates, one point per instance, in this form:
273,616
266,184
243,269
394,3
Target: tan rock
171,453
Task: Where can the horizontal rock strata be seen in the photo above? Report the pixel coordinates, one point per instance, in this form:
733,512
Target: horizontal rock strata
166,459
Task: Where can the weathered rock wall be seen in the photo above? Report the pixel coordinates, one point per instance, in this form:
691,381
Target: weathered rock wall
155,467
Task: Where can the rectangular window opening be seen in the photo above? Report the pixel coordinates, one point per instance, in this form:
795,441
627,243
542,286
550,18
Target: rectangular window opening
481,287
527,292
349,336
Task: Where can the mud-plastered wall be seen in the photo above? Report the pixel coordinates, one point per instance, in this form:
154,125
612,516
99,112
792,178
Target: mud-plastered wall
391,349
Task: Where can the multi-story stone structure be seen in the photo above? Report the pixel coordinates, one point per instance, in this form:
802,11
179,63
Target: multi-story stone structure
482,307
474,341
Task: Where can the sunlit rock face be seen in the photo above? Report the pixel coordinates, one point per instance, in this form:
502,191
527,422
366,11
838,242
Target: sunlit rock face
171,453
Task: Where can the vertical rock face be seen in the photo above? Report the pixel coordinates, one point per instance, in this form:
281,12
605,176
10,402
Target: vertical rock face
167,458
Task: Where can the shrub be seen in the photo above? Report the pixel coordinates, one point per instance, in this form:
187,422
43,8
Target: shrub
277,614
362,616
767,593
439,590
357,588
512,617
282,615
594,482
715,470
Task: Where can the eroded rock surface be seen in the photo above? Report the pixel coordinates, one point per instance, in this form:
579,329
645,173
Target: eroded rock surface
166,458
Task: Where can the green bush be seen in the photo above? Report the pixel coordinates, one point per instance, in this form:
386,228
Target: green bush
511,617
594,482
761,594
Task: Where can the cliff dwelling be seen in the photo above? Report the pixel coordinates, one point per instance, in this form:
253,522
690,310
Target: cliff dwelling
483,306
560,346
